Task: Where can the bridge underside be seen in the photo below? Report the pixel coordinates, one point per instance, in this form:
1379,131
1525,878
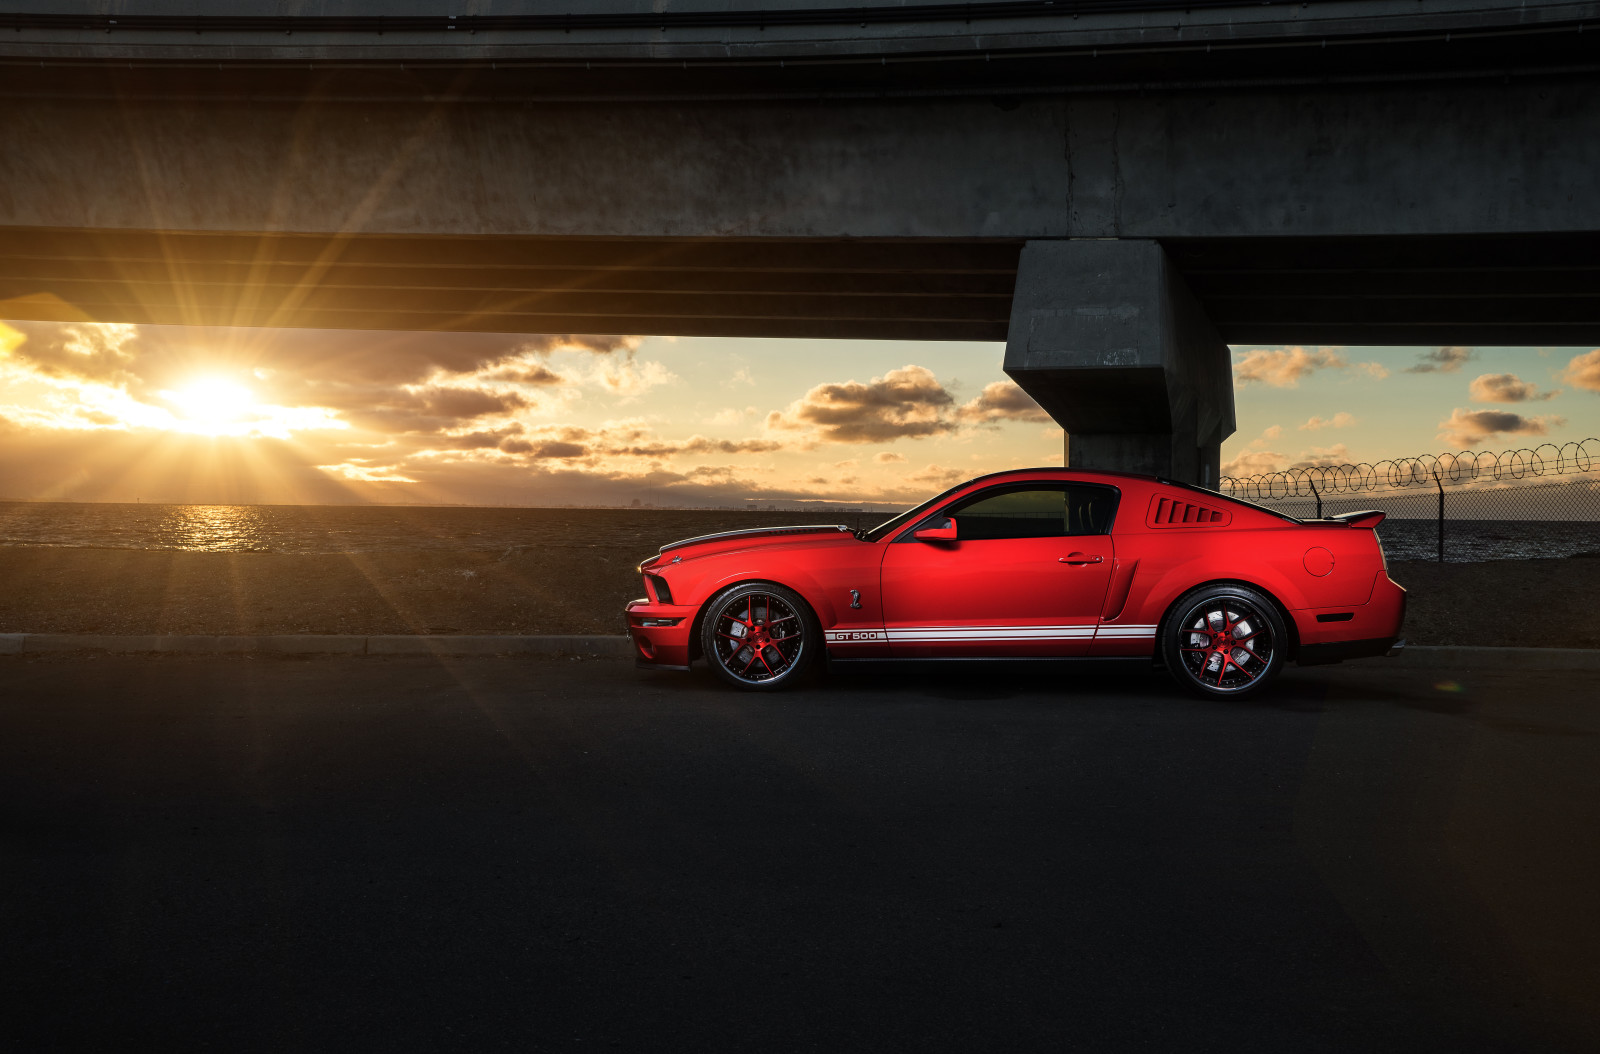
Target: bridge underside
933,290
1118,189
1535,289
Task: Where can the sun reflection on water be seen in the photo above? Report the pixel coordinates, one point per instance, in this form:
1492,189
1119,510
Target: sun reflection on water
212,528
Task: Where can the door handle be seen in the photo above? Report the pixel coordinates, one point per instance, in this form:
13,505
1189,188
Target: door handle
1079,558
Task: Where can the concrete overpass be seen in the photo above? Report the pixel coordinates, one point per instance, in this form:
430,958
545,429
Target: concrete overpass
1114,187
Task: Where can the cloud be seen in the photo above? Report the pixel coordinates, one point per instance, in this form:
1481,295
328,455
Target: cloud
462,403
1283,367
1272,432
1001,401
693,445
399,411
549,449
1324,457
1584,371
1375,370
498,438
1255,462
937,476
1447,359
1506,388
907,403
391,381
731,415
1338,420
631,379
598,343
538,374
425,417
1468,428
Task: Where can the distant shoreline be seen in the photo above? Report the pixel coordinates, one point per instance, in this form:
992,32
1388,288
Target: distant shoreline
863,507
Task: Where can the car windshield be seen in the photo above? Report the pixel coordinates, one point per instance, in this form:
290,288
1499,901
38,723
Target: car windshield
888,527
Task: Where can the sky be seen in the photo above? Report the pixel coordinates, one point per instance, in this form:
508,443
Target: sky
106,412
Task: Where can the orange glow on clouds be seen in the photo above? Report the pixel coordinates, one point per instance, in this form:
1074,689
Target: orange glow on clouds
111,412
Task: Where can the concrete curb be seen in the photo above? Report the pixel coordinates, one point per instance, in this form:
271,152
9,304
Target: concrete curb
1414,657
1448,657
316,644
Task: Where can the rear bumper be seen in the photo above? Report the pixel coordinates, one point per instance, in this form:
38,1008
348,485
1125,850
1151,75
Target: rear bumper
1353,631
660,634
1323,654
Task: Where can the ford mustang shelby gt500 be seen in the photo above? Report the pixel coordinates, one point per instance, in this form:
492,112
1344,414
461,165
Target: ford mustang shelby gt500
1032,563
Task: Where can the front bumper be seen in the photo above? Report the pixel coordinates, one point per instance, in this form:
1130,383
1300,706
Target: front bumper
661,634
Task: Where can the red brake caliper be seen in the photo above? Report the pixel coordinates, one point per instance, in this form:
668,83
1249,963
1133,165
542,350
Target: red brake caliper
1227,644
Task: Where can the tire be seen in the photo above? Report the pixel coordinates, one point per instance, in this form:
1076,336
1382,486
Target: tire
744,613
1224,641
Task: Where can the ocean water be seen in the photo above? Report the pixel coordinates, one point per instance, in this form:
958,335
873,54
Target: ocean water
366,529
1472,541
309,529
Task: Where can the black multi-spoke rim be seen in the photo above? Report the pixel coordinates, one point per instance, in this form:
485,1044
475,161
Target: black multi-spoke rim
758,636
1225,644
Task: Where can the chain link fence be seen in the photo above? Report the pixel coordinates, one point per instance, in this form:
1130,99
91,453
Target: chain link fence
1515,505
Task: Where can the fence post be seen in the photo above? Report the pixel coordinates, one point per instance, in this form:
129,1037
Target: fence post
1316,494
1438,483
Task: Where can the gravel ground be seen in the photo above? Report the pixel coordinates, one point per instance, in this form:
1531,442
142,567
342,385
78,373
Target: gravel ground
1503,603
1527,603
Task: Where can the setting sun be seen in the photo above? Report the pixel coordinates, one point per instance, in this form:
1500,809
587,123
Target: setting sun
212,406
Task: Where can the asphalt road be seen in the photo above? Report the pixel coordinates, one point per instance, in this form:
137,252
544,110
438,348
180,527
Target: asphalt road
409,854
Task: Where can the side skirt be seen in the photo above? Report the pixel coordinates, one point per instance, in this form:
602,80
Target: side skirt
997,658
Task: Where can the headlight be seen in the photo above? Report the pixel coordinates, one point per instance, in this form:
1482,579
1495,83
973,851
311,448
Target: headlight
659,589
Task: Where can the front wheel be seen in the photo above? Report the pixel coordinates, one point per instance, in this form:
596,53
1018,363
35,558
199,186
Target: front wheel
1224,640
759,637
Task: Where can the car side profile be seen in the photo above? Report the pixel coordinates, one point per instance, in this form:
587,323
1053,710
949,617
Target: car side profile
1031,563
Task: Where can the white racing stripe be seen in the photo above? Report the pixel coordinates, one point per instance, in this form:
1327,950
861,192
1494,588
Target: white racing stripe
1127,631
963,634
989,633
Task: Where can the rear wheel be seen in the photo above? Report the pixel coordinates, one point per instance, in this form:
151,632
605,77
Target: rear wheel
1224,640
759,637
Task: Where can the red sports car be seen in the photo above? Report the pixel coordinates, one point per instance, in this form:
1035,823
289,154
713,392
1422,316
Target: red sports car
1032,563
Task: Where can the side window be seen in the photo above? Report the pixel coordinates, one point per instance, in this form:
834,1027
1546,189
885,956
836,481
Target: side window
1091,510
1045,511
1033,513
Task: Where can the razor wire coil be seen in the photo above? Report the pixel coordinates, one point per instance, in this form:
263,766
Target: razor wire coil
1424,470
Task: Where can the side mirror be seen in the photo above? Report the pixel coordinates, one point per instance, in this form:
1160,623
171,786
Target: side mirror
947,533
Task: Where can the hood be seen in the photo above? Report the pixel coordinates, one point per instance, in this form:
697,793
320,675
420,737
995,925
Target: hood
758,537
775,533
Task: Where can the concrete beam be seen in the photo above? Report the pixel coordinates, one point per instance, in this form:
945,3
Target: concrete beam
1107,337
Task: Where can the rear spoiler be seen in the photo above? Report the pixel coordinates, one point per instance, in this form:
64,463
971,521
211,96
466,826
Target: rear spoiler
1368,518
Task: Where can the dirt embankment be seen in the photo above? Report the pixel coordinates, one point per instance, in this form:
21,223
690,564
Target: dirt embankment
1509,603
562,590
1527,603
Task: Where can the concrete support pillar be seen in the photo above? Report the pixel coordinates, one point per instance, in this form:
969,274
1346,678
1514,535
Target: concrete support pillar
1106,336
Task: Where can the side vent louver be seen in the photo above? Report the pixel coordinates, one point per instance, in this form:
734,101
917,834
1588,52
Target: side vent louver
1171,512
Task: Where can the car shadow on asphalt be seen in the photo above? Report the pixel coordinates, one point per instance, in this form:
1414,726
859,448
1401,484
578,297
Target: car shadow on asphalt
1036,680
